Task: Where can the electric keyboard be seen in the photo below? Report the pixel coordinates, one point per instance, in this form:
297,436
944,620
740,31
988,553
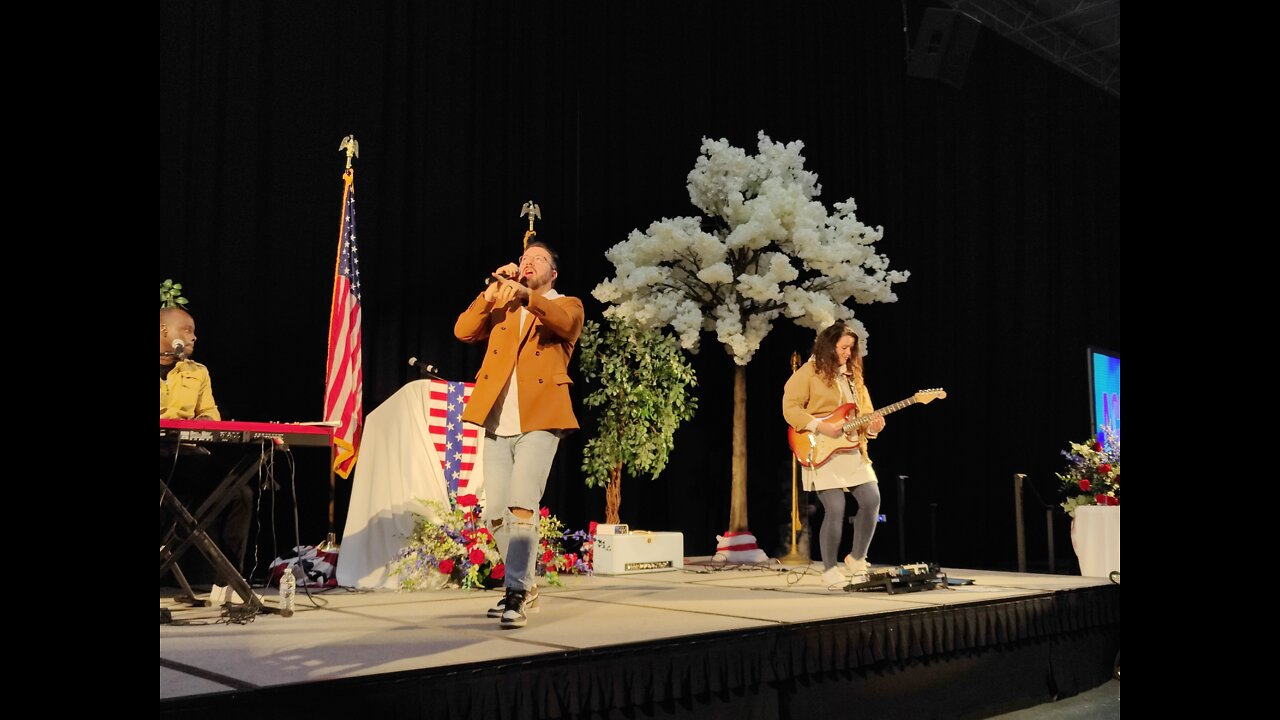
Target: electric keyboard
232,431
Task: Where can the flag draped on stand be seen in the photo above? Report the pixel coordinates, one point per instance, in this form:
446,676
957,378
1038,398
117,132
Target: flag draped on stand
344,378
456,445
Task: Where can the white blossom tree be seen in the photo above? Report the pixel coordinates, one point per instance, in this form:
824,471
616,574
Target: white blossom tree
766,248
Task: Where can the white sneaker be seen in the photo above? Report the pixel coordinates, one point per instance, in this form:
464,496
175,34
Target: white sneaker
856,567
834,578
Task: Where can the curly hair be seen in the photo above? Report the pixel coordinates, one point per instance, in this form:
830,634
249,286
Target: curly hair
824,352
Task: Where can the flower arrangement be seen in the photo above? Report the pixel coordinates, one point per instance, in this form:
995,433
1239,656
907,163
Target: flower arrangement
1092,476
450,547
553,540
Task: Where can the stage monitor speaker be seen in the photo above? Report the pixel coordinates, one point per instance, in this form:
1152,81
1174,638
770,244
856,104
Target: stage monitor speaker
943,46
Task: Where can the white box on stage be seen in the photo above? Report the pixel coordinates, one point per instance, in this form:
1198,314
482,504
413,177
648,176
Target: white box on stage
638,552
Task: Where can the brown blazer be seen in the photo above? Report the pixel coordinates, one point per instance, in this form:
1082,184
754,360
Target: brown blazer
540,356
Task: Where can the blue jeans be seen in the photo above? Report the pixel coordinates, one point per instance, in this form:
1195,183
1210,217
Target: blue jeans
515,476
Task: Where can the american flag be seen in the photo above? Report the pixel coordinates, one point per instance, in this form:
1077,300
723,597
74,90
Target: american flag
344,380
456,445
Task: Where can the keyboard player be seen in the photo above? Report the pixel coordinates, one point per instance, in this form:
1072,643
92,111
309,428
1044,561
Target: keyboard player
186,393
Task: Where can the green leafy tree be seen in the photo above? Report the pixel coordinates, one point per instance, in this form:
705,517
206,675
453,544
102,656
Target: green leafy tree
643,395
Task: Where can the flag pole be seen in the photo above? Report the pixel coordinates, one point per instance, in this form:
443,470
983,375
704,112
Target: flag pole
351,147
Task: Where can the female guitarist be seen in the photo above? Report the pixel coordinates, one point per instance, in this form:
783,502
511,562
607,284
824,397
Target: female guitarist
833,377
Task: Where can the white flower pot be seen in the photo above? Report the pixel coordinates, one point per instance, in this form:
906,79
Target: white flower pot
1095,536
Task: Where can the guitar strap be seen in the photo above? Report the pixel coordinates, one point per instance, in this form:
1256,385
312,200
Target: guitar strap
848,391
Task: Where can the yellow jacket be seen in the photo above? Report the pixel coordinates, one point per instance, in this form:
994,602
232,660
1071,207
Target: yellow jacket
186,393
807,396
540,356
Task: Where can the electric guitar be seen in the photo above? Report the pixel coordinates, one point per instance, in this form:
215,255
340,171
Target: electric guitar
812,449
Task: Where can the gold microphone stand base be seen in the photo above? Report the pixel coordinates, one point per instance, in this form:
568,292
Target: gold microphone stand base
794,558
330,544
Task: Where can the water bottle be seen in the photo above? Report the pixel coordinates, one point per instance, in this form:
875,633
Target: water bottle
288,584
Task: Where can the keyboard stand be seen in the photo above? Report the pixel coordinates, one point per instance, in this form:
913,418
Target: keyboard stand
189,530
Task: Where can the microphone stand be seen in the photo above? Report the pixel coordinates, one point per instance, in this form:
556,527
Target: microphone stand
794,557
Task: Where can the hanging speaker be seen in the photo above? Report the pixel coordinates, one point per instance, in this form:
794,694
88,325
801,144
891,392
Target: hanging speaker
943,46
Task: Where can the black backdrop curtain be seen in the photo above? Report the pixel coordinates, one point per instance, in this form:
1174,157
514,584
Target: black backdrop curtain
1002,199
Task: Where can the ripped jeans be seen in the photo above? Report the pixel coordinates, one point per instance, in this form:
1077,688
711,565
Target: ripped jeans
515,476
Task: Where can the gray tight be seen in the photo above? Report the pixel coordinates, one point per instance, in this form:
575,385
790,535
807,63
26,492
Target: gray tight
864,523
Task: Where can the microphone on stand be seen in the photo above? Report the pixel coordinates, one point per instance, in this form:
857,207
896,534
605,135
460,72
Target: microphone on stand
426,369
179,349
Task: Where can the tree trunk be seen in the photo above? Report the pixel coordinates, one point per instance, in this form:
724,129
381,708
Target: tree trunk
613,496
738,496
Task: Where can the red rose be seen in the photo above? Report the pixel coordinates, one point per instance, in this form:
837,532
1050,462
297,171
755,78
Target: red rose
1104,468
446,566
476,557
1097,446
498,572
467,500
1113,500
1100,499
571,559
545,512
1084,484
591,529
546,556
485,532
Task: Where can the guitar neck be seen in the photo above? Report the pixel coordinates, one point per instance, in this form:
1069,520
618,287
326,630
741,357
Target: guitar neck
862,420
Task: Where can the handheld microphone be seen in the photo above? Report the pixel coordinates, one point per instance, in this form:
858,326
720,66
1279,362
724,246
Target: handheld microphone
426,368
517,277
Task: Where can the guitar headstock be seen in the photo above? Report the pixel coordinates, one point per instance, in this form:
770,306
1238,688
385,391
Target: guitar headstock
925,397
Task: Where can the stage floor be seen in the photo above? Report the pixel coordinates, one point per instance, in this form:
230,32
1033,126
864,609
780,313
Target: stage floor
344,634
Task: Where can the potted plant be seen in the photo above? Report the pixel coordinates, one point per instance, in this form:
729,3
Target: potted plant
643,393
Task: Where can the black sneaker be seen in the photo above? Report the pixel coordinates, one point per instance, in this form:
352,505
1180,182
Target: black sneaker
530,604
513,616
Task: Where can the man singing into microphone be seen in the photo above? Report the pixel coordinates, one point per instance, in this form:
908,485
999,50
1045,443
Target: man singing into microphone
521,398
185,390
